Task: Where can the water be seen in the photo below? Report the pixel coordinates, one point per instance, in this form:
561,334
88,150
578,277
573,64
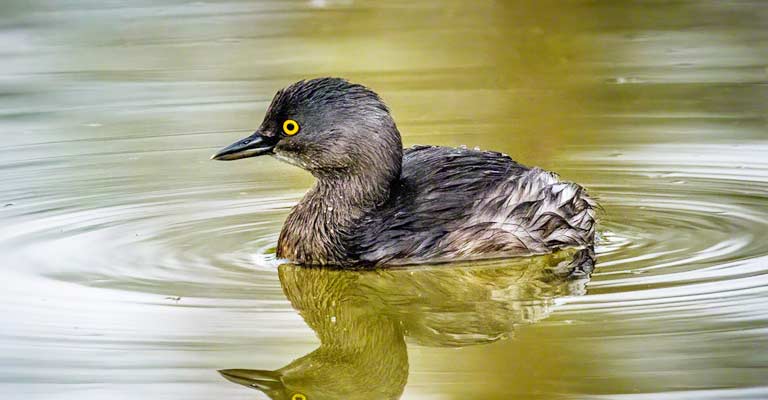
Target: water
134,266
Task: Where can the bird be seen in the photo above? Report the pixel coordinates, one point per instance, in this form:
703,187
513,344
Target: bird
375,204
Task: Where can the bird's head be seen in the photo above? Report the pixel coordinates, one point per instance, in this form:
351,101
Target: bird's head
327,126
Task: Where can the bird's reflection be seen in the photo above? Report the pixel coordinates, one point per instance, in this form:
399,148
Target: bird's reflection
364,319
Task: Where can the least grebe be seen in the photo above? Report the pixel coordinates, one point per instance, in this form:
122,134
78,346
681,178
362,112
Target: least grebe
375,203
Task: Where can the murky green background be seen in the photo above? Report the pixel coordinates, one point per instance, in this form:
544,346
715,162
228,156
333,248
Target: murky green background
134,267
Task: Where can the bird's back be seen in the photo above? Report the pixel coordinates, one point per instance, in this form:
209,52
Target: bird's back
460,203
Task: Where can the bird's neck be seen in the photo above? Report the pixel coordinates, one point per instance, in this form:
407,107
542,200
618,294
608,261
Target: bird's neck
316,228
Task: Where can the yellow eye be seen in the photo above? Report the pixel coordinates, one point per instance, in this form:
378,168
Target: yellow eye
291,127
298,396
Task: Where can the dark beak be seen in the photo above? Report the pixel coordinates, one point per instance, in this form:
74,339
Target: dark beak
266,381
252,146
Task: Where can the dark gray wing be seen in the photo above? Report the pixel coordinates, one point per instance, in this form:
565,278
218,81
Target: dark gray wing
435,196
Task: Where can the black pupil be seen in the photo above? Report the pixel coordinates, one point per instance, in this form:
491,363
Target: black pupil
291,126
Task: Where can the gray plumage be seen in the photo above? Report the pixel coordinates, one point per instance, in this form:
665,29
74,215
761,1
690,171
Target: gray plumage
375,203
459,203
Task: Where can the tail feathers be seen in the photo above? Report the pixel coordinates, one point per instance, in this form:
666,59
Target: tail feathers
530,213
542,211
